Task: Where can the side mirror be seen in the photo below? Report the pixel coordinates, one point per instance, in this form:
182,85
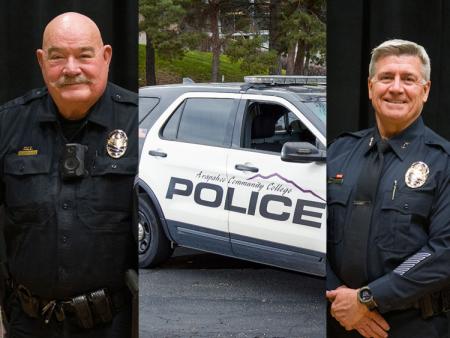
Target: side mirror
302,152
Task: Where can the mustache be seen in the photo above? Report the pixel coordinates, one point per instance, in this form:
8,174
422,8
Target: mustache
67,81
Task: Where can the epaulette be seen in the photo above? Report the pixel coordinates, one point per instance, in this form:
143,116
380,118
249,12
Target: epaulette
24,99
354,134
435,140
122,95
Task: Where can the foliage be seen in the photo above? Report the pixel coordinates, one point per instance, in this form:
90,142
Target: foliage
252,57
160,20
297,32
300,30
303,21
194,64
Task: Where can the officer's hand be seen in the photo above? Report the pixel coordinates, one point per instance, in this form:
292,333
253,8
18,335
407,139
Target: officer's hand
331,296
372,325
346,308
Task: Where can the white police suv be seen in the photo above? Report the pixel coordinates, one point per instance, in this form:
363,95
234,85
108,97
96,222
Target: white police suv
235,169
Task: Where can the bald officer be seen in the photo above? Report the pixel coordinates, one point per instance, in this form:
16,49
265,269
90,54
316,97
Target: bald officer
68,157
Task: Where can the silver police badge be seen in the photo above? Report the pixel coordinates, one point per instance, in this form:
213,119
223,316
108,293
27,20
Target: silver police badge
417,175
117,143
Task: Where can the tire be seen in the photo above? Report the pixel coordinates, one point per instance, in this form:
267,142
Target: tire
153,246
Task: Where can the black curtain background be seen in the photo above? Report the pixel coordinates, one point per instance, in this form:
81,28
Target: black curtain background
354,28
23,21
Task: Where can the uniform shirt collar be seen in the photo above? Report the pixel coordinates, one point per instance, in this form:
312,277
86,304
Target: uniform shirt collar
400,143
48,114
95,115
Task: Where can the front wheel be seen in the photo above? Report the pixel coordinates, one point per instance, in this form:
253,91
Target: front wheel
154,247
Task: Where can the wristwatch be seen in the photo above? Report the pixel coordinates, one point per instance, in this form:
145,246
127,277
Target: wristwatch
365,297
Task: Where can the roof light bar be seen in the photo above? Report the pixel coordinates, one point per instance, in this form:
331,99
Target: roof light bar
286,80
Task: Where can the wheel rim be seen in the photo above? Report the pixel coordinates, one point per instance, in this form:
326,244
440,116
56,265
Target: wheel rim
144,233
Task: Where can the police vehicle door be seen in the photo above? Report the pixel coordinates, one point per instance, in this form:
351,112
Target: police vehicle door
184,162
277,208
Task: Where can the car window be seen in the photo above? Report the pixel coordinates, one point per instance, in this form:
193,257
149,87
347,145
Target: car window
269,126
318,107
171,128
203,121
280,125
146,105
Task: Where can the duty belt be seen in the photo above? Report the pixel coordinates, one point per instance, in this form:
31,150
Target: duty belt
90,309
434,304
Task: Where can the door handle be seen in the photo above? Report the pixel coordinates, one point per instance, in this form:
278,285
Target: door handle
157,153
243,167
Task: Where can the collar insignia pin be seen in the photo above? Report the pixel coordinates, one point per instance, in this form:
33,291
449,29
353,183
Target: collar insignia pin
404,145
371,141
417,174
117,143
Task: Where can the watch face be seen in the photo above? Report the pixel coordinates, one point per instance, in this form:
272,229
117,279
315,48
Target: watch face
366,295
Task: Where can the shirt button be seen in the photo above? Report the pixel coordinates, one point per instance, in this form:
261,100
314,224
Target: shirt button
406,206
65,206
114,166
64,239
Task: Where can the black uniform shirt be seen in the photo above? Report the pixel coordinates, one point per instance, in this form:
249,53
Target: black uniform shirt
64,237
408,250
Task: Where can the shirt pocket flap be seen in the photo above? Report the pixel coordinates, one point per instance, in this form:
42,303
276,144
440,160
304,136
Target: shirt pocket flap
26,165
338,194
120,166
409,202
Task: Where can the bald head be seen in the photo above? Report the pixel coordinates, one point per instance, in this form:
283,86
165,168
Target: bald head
69,23
74,63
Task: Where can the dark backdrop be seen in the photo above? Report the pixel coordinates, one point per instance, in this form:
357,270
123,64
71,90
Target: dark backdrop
23,21
354,27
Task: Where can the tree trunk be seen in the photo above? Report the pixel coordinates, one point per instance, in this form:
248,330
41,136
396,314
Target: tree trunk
150,73
215,40
299,60
274,33
307,58
290,62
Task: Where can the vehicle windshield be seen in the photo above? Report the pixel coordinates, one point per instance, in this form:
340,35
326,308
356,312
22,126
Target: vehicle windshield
314,98
319,107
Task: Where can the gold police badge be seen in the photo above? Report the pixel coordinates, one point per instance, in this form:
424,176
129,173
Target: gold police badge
117,143
417,174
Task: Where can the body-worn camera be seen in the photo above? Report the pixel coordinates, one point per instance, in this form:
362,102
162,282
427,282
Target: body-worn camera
73,161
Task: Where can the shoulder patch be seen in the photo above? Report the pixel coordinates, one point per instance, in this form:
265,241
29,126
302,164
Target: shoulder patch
435,140
122,95
30,96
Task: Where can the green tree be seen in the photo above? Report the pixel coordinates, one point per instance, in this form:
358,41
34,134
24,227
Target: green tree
253,58
218,20
296,34
303,34
160,19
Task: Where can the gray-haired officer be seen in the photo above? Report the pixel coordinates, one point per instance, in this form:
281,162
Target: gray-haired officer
389,210
68,157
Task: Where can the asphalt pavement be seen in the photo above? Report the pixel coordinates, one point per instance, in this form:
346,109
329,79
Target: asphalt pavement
204,295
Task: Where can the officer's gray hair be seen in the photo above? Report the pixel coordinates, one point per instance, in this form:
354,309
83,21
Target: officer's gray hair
400,47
